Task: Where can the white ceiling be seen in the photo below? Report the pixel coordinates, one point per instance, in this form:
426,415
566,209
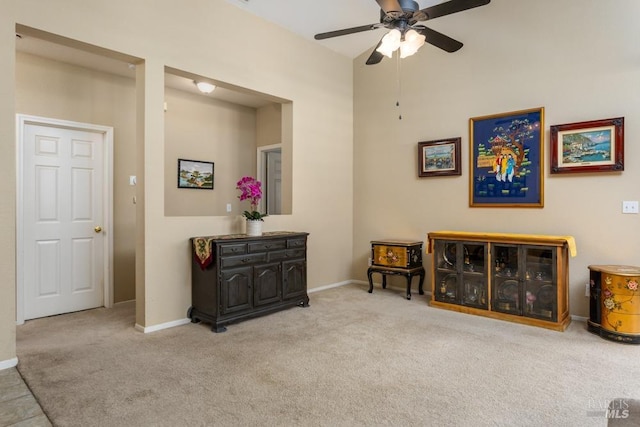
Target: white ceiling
310,17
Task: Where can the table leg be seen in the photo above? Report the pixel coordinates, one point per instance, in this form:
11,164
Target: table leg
384,281
369,274
420,286
409,286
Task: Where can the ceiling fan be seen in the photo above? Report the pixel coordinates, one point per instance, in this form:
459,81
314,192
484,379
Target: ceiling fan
402,18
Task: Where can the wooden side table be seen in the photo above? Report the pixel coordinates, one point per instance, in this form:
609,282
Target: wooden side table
396,257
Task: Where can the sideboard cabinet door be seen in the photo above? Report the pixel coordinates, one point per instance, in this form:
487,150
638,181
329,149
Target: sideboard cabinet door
267,284
236,289
295,279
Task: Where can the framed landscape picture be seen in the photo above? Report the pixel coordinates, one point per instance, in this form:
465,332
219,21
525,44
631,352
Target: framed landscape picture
506,164
195,174
595,146
438,158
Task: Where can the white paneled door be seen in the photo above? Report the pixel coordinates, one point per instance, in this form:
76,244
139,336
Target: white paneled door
62,219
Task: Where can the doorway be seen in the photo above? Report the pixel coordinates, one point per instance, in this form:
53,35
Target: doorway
270,174
64,221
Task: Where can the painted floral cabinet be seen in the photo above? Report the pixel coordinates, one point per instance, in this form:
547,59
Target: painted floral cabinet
614,309
516,277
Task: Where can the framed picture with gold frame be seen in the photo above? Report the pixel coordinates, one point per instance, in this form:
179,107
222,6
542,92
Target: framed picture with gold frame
506,159
595,146
439,157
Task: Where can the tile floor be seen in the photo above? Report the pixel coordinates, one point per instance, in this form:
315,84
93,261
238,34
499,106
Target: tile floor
18,407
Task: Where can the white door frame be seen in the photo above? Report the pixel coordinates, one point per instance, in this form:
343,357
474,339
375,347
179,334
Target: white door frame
260,167
23,120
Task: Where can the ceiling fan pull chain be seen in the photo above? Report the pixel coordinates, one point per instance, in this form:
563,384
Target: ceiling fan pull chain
399,87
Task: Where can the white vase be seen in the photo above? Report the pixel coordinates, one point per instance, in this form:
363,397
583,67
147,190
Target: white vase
254,227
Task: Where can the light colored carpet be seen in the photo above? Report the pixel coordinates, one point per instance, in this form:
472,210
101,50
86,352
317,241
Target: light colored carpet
351,358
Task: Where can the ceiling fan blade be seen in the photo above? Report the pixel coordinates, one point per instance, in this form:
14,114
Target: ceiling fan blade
375,56
390,6
345,31
438,39
447,8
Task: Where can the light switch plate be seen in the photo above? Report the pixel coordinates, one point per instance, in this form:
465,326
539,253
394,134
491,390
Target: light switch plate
132,180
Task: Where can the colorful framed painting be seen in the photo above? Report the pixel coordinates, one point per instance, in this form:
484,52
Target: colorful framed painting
438,158
595,146
506,164
195,174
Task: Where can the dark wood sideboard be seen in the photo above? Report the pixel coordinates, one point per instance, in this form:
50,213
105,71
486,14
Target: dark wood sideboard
237,277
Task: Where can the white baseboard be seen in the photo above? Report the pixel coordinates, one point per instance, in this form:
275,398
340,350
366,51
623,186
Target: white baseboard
6,364
161,326
358,282
181,322
579,318
333,285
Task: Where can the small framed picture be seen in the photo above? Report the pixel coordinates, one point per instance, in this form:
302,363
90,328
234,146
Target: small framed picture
595,146
195,174
439,157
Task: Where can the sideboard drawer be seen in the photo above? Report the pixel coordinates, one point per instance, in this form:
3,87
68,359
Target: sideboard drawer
296,243
234,261
267,245
233,249
288,254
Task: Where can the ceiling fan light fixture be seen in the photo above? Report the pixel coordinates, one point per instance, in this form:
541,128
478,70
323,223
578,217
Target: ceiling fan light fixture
204,87
412,42
390,43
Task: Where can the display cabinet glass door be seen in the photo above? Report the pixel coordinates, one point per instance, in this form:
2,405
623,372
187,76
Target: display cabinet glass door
505,279
540,284
461,273
524,281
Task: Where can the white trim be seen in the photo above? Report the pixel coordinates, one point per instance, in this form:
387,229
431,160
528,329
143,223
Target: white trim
334,285
6,364
162,326
579,318
21,121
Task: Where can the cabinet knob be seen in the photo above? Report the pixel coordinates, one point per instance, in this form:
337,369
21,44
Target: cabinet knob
246,260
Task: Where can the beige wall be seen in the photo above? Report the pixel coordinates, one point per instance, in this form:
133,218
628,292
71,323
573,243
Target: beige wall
269,123
180,35
577,59
202,128
43,89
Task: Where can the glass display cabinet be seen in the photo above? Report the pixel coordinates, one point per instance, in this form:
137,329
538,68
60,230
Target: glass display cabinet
516,277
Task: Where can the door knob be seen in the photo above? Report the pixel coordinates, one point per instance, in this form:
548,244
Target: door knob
97,229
